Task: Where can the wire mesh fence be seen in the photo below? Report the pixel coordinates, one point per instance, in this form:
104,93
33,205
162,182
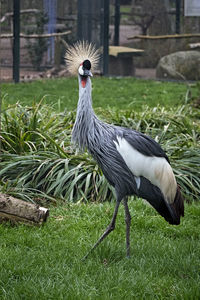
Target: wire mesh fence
148,25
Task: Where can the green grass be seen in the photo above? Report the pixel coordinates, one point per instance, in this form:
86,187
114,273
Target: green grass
121,93
45,263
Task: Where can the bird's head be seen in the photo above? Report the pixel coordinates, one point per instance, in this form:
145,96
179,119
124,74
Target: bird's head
84,71
82,58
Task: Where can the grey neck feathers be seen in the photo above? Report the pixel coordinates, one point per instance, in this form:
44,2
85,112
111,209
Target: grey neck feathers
88,131
85,116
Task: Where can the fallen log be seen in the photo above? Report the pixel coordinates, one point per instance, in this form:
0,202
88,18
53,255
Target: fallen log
17,210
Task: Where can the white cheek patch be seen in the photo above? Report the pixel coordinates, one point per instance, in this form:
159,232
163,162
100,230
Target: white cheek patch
156,169
80,70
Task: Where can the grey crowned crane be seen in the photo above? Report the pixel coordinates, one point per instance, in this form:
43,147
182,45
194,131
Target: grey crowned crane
133,163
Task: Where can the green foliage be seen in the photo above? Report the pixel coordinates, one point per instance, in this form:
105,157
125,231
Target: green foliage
46,176
35,128
37,160
45,263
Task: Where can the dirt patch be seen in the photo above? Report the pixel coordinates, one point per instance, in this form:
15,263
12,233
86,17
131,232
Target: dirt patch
6,74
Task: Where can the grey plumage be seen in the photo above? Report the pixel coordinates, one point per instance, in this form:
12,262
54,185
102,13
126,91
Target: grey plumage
112,147
91,133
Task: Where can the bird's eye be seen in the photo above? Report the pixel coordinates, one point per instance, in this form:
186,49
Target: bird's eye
81,71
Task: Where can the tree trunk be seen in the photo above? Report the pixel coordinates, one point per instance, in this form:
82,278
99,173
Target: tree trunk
17,210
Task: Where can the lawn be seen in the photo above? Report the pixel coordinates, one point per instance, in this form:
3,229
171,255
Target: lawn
122,93
45,262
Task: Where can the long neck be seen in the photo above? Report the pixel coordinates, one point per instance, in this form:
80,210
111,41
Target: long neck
84,116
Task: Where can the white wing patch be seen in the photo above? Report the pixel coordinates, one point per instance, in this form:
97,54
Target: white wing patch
156,169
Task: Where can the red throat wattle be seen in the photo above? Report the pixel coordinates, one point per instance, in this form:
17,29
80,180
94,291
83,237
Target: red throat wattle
83,81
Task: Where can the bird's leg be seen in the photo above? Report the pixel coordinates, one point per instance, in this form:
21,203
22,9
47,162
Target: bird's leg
110,228
128,224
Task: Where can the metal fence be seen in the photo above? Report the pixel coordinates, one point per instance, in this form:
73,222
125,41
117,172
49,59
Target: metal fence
149,25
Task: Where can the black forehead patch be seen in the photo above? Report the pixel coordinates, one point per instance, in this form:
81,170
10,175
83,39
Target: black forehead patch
87,64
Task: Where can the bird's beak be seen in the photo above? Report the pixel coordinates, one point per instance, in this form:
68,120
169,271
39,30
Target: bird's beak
88,73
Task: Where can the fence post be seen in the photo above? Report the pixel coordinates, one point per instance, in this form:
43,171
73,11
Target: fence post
178,11
106,37
16,44
0,86
117,22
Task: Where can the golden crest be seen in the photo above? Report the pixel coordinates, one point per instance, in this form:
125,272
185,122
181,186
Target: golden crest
80,51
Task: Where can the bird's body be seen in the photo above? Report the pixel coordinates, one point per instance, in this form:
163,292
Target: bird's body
133,163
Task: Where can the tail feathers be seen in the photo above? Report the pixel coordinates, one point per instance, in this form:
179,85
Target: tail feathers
177,207
171,212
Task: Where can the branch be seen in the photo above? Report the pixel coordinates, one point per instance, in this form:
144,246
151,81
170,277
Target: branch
31,36
66,45
24,11
159,37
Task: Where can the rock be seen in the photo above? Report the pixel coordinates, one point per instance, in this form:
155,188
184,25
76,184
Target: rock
180,65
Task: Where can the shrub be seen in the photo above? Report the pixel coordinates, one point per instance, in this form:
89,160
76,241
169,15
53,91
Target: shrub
38,161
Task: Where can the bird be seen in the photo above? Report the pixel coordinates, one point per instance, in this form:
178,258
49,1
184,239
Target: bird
132,162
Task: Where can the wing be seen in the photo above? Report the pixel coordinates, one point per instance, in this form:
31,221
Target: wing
154,177
143,143
144,157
